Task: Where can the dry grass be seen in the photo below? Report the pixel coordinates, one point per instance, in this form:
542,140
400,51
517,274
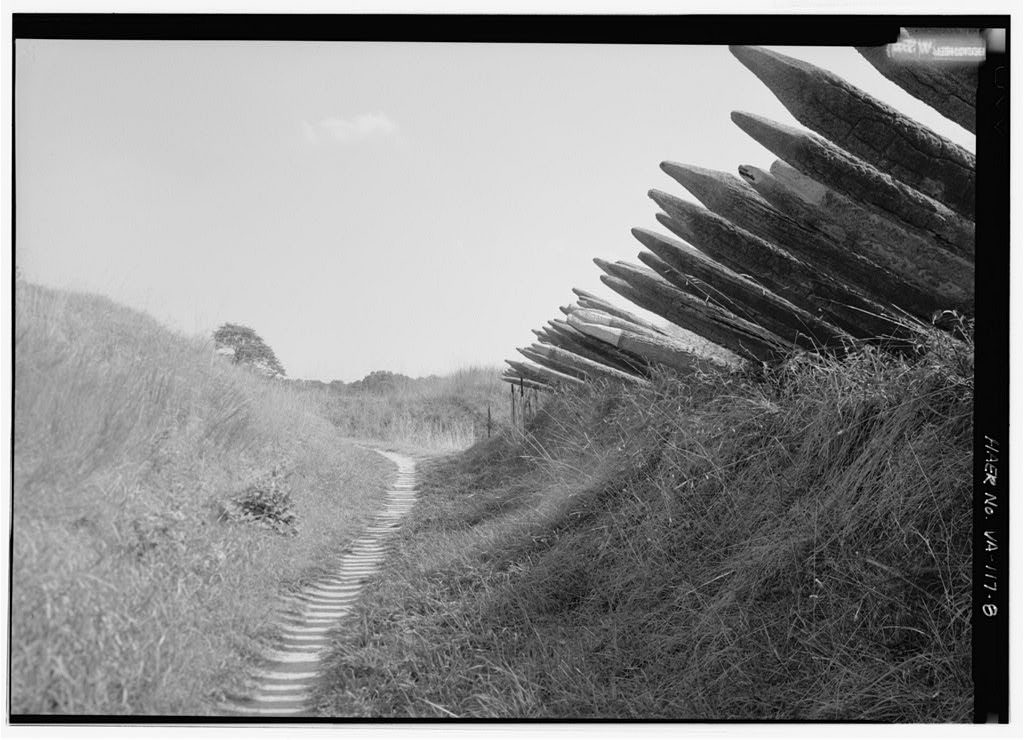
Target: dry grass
434,414
792,546
142,579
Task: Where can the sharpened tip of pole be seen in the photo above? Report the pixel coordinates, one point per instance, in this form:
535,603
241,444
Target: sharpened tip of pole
753,58
663,199
702,183
780,139
744,120
676,207
641,235
603,264
774,69
751,174
645,236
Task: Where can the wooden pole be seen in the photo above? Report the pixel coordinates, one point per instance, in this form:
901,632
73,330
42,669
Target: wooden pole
582,347
870,251
594,316
541,376
867,128
951,89
589,300
539,353
567,336
522,401
811,288
690,269
512,378
662,351
860,181
720,327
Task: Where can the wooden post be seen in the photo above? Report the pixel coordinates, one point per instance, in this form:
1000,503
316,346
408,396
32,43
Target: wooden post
867,128
810,288
856,179
522,402
512,388
651,291
951,89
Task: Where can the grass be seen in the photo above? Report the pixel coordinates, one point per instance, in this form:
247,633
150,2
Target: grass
433,414
163,498
790,546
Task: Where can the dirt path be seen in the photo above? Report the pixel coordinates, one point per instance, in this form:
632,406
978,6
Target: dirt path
282,685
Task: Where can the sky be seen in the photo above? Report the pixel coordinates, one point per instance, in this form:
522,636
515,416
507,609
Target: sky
413,207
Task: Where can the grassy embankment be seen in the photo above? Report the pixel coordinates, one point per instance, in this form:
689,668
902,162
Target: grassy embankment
162,499
791,546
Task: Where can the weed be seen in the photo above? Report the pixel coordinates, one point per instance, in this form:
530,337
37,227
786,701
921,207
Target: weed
266,501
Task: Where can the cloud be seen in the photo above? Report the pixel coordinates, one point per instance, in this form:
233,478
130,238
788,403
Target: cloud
346,130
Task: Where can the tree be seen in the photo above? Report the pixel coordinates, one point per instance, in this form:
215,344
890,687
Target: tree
246,347
381,382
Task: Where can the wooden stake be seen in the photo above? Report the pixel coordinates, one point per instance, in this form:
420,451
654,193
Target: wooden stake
860,181
908,270
661,351
543,375
750,210
706,280
951,89
718,327
867,128
589,300
589,368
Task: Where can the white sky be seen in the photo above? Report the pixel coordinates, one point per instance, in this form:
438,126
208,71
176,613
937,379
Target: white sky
409,207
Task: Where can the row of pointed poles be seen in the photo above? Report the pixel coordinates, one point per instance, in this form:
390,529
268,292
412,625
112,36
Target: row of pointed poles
864,222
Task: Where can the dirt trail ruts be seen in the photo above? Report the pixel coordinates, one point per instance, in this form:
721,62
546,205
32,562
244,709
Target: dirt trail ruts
284,683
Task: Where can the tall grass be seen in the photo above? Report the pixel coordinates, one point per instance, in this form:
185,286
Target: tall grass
792,546
139,585
434,414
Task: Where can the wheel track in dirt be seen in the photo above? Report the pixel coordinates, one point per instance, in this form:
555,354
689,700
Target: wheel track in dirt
285,681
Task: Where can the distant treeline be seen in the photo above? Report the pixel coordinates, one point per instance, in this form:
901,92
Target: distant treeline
378,381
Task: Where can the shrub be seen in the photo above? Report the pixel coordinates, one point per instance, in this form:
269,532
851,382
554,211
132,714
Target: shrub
267,501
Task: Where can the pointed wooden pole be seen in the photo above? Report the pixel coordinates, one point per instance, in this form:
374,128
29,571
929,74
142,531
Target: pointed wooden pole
867,128
750,210
603,305
573,341
589,368
661,351
776,269
951,89
715,325
624,360
543,375
691,270
860,181
594,316
556,365
515,380
859,230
